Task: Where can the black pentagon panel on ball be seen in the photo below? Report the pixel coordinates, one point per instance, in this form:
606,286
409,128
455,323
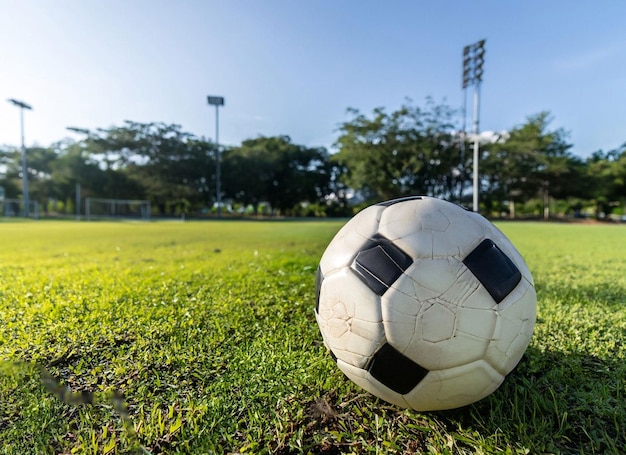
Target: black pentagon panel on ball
380,263
396,371
494,269
402,199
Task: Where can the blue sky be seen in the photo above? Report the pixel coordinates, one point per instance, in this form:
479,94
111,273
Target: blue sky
294,67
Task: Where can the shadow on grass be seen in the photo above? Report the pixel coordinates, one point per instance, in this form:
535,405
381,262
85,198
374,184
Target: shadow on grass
553,402
557,402
566,396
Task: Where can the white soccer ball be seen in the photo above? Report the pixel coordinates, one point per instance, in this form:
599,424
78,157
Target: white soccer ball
424,304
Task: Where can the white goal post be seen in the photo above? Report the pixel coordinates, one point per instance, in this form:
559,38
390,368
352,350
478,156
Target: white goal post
99,208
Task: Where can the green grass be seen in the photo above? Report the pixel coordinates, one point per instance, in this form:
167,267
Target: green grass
209,332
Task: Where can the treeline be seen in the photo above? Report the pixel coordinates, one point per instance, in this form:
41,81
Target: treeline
528,170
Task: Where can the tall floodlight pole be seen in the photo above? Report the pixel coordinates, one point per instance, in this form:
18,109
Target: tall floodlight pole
22,105
466,77
473,61
217,101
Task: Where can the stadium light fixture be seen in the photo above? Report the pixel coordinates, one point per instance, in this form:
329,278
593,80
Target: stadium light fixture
473,62
22,105
467,66
217,101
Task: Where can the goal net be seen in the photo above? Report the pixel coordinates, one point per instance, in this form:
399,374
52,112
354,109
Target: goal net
97,208
15,207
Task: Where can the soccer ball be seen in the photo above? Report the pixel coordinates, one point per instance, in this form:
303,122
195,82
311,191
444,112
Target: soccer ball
424,304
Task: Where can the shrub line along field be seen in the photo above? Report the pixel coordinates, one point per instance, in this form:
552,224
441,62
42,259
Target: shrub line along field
208,330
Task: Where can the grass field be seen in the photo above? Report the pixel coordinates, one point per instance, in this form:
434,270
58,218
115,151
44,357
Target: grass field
208,330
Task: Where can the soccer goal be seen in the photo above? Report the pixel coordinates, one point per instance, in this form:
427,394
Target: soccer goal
98,208
15,207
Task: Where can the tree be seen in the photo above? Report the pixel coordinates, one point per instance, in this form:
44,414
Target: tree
39,161
40,185
410,151
171,167
275,170
528,162
75,166
607,172
11,175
